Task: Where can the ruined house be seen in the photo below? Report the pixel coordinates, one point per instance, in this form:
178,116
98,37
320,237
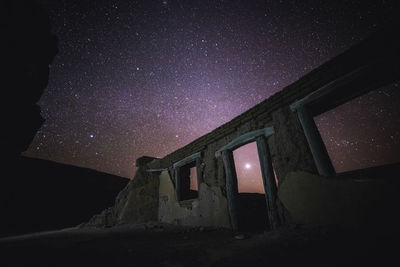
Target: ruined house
300,182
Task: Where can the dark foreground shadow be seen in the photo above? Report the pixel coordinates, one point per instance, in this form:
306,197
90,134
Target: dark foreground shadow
159,245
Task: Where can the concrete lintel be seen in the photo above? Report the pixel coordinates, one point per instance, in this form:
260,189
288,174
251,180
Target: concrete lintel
187,160
245,138
156,170
328,88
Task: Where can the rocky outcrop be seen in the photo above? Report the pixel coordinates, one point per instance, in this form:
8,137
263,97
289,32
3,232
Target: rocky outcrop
38,195
31,47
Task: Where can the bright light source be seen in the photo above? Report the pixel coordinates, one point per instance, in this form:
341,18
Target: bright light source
247,166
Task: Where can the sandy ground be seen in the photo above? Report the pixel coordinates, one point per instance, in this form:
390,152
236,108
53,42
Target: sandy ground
155,244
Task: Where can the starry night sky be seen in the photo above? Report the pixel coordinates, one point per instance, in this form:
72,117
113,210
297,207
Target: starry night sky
136,78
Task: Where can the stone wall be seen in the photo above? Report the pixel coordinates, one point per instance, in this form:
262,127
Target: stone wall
288,145
367,203
210,209
136,203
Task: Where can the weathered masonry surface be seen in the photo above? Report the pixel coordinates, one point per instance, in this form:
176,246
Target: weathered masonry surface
289,145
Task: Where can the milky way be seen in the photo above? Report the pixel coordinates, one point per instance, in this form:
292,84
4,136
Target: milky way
136,78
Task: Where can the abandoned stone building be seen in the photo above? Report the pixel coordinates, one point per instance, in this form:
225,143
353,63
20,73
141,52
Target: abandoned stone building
301,185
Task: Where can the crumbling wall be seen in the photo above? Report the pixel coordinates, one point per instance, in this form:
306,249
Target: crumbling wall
316,200
288,146
210,209
136,203
289,152
289,149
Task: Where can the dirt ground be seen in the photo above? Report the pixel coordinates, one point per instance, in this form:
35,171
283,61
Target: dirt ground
155,244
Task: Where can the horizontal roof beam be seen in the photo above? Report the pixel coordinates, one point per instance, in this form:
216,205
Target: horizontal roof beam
245,139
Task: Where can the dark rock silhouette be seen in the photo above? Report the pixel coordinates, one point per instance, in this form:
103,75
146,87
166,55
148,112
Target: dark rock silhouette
30,49
35,194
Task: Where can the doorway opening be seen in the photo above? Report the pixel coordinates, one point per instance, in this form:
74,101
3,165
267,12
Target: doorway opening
251,198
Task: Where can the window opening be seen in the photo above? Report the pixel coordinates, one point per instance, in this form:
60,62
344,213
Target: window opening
364,132
193,179
188,184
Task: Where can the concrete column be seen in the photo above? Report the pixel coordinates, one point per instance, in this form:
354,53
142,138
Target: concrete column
317,147
199,172
231,186
268,177
177,184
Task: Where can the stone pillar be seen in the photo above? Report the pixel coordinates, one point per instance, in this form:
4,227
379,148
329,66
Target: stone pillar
317,146
177,184
268,177
231,187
